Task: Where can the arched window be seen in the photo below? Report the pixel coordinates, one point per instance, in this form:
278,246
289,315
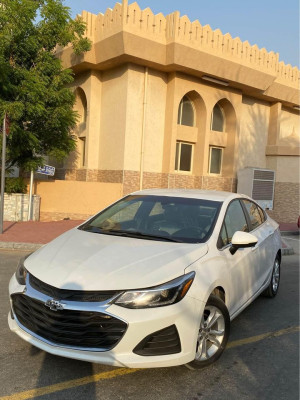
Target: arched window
217,119
81,105
186,112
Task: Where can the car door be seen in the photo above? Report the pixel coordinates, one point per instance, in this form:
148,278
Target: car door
240,266
263,251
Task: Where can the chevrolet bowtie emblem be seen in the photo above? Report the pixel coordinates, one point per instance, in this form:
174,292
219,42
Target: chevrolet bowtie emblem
54,305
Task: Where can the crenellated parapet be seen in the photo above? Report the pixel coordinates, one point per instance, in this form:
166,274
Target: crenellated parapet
174,28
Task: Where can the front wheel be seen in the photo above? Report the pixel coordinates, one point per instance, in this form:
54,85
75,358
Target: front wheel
273,287
213,333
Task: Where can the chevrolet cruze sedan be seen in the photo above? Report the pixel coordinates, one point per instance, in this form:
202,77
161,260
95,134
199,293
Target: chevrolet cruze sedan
151,281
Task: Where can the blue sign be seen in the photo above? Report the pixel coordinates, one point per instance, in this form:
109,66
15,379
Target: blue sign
46,170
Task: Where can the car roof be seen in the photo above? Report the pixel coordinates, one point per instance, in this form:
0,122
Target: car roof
213,195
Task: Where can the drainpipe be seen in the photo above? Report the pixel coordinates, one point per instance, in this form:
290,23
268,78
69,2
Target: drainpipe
143,128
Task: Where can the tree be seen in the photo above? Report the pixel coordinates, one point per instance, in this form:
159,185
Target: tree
33,84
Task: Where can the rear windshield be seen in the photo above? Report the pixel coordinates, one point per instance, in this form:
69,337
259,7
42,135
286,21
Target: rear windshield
164,218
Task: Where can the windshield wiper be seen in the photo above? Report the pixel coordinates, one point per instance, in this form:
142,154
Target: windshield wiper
91,228
133,234
152,237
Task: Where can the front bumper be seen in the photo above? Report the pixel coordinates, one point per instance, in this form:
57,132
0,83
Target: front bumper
185,315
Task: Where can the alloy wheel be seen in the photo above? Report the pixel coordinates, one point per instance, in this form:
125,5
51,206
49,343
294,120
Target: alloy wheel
211,333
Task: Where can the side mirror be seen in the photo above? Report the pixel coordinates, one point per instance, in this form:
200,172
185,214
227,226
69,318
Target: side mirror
241,240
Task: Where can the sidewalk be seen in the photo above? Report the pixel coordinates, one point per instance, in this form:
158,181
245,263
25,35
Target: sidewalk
288,227
31,235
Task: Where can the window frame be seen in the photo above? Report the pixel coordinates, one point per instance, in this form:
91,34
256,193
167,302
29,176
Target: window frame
209,160
212,118
177,170
180,109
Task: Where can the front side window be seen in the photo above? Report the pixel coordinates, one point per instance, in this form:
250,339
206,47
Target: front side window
223,238
165,218
215,160
183,157
234,221
186,112
217,119
254,214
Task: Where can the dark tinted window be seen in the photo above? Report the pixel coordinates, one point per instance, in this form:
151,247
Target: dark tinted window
185,112
235,220
217,123
215,160
183,157
254,214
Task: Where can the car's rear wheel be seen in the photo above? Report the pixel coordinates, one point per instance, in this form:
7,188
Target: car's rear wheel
213,333
273,287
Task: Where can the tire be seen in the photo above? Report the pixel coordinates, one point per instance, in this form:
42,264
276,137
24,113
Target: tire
273,287
210,346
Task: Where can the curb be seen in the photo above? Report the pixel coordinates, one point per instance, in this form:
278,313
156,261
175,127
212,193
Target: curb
20,246
286,249
290,233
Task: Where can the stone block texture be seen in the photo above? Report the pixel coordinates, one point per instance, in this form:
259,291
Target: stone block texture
16,206
286,202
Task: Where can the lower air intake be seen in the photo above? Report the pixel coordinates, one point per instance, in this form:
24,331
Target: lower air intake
163,342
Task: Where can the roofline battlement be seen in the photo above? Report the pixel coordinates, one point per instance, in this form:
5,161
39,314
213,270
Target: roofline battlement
179,29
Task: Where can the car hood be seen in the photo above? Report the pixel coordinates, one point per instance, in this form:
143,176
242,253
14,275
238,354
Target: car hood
82,260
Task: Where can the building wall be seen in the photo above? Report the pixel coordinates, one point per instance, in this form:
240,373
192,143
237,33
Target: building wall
117,118
74,200
125,103
113,119
254,123
139,68
287,188
289,126
155,121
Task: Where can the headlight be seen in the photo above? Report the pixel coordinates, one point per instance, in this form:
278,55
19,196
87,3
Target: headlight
162,295
21,271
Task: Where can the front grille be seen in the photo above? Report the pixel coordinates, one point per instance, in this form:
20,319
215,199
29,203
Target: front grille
165,341
70,295
80,329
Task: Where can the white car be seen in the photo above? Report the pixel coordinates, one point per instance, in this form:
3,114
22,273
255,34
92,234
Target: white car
151,281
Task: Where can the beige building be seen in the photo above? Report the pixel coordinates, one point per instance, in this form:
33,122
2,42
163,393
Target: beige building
166,102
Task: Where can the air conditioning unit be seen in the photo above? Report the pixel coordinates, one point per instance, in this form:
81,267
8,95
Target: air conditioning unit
259,184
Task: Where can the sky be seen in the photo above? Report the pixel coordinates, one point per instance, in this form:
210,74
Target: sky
272,24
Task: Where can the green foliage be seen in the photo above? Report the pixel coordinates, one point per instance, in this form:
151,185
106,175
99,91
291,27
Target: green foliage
33,85
15,185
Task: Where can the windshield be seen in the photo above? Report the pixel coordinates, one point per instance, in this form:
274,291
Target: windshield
175,219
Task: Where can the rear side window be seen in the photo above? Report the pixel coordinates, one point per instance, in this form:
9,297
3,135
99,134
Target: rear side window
234,221
255,214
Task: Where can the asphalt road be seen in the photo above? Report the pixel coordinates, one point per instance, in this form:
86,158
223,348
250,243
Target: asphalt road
261,362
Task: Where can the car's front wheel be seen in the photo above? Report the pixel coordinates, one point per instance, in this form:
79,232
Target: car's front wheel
213,333
273,287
